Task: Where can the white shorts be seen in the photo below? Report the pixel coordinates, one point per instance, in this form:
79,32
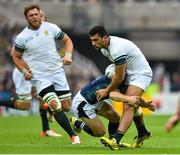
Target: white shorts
58,80
81,108
139,80
21,85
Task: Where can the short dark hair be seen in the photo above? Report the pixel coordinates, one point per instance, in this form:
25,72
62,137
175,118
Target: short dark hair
30,7
98,30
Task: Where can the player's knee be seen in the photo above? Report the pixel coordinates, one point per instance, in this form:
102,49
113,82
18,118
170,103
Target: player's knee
66,105
27,106
52,100
53,104
65,101
23,102
23,105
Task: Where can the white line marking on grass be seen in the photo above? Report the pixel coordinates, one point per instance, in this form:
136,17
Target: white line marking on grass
161,147
49,145
81,145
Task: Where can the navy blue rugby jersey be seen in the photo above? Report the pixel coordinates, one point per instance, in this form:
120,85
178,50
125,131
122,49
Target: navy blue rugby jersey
89,90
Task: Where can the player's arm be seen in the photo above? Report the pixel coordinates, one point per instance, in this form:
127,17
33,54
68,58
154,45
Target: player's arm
115,82
21,64
67,59
135,101
22,61
117,96
117,78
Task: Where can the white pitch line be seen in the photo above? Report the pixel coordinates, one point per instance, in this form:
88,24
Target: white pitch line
49,145
81,145
161,147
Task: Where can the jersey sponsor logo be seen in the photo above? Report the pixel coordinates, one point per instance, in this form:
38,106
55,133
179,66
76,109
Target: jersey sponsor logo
29,39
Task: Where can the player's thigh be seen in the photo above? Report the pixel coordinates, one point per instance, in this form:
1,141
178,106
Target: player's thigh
62,89
82,109
23,90
134,91
137,84
60,82
108,111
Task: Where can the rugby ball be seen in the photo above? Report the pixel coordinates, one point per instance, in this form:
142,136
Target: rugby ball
110,70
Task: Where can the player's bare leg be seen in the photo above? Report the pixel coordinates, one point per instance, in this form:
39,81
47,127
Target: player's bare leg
20,102
126,120
172,122
173,119
94,126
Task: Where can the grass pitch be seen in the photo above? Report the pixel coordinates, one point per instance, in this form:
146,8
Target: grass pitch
20,135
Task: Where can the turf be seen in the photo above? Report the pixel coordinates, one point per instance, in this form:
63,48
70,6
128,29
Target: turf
20,135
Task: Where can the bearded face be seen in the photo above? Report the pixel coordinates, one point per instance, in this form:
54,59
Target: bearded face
33,18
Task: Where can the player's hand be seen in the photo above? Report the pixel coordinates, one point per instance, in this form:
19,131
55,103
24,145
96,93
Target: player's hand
149,105
133,101
27,74
101,94
67,60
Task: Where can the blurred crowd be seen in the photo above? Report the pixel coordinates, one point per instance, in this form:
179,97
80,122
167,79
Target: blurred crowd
71,2
167,82
7,34
115,1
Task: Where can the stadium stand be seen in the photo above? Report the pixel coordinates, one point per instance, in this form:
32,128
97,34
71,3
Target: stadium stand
156,32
